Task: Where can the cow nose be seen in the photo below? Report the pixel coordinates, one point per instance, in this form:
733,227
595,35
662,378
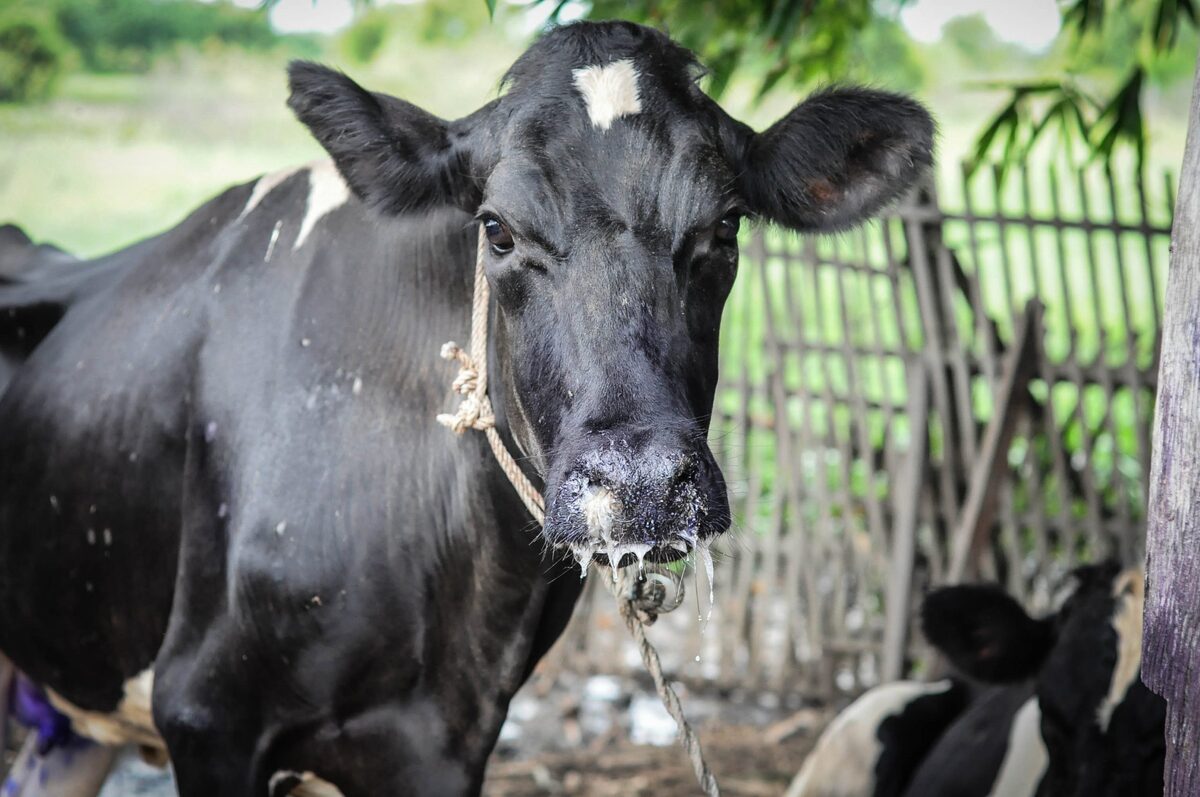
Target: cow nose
638,496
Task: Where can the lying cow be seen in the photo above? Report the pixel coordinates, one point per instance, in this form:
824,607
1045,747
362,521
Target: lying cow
1056,706
223,494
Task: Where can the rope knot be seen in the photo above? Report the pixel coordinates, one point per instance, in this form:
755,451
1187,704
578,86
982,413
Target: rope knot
472,414
650,594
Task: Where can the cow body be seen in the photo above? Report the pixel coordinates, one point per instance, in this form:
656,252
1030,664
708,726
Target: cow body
219,468
310,604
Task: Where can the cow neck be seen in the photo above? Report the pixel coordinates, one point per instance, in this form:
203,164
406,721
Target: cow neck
475,408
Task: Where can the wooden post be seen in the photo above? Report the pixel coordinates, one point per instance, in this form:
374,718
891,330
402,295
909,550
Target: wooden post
906,501
975,522
1171,643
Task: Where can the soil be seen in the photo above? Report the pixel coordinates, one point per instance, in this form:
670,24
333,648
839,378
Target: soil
744,763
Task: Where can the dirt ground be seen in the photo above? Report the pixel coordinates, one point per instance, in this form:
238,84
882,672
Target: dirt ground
744,762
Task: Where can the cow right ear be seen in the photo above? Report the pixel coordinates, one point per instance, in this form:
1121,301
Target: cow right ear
985,633
394,156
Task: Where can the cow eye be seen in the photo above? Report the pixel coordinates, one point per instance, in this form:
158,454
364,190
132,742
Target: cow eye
498,235
727,228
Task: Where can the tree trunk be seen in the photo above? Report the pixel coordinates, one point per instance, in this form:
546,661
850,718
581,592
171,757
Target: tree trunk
1171,644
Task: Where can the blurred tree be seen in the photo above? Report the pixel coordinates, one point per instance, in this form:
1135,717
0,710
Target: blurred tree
973,39
32,53
117,35
362,40
1119,44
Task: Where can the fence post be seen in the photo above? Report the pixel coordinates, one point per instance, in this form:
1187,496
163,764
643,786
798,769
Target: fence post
991,467
1171,654
906,498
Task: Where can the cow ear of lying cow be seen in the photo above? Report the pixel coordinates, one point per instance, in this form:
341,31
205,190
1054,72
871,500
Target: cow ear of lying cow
985,633
393,155
836,158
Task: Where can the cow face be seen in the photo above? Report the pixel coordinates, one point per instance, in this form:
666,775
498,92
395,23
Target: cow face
611,190
1103,729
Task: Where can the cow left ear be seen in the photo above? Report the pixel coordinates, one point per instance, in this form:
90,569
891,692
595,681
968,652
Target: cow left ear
393,155
836,159
985,633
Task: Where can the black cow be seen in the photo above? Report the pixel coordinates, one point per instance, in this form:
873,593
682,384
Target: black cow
220,470
1056,708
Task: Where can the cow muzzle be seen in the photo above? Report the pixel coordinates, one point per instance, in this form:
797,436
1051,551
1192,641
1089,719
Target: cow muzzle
617,505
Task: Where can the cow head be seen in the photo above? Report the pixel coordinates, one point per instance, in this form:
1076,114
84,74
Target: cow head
1103,729
611,190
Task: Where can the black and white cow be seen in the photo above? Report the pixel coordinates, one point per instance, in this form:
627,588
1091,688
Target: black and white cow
221,482
1054,706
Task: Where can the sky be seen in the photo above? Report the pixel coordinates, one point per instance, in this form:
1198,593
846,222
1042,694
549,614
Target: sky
1031,23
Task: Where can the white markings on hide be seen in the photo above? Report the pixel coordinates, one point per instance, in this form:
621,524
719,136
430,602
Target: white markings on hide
310,785
842,764
1026,758
274,238
327,192
132,722
1129,590
265,185
609,92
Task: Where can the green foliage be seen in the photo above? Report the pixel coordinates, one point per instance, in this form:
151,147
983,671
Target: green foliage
125,35
362,40
1128,41
770,42
31,54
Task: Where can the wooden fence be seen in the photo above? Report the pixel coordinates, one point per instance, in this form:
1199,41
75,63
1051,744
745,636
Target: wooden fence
960,390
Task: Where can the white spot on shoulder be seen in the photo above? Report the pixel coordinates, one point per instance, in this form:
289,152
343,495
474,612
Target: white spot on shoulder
1129,590
609,92
264,186
1026,758
327,192
132,722
843,760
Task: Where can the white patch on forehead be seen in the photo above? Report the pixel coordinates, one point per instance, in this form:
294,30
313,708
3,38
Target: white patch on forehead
1026,758
609,92
843,761
327,192
131,722
1129,590
265,185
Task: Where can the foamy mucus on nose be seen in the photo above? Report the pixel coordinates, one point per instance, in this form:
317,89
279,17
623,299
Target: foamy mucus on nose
600,508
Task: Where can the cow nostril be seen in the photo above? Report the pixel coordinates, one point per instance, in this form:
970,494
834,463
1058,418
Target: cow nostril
686,471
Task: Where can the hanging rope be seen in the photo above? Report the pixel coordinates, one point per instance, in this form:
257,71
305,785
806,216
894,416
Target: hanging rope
475,410
640,598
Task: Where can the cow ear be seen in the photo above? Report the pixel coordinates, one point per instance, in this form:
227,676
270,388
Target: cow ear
985,633
836,159
392,154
